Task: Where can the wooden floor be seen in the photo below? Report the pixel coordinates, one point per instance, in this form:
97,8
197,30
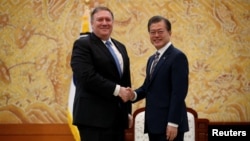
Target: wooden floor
35,132
41,132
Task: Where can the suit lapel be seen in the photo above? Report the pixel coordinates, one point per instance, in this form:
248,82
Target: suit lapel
150,61
101,46
161,62
123,53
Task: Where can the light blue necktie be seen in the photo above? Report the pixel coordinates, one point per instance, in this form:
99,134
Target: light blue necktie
108,44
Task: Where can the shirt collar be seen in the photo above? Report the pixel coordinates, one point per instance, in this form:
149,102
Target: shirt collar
104,41
163,49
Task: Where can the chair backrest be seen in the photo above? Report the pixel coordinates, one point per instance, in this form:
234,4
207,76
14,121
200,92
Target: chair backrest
138,127
192,123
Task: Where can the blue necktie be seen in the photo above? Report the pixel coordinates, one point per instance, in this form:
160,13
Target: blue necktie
108,44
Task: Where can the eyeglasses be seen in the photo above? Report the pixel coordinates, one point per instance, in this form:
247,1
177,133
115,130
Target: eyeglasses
159,32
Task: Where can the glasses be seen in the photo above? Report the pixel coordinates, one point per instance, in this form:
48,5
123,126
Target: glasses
159,32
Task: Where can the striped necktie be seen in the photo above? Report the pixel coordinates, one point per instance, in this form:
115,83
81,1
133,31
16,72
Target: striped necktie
155,61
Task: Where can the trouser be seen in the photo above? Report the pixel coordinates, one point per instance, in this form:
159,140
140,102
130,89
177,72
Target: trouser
162,137
101,134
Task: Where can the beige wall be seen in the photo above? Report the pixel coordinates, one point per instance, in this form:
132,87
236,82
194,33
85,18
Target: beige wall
36,39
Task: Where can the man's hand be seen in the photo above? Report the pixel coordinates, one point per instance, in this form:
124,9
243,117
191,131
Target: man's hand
130,121
171,133
132,94
126,94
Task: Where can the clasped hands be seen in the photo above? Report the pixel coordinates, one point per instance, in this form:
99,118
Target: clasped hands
126,94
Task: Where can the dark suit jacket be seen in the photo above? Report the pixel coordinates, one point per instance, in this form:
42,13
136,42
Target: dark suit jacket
166,91
96,76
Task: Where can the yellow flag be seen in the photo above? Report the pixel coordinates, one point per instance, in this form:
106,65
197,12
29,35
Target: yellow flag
85,28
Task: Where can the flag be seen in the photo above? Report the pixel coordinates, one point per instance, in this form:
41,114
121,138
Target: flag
85,28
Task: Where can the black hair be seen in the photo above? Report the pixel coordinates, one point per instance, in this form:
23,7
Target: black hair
156,19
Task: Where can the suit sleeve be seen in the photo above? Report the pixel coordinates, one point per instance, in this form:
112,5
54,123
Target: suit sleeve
179,79
84,70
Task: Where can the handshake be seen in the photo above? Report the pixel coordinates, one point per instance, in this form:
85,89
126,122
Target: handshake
126,94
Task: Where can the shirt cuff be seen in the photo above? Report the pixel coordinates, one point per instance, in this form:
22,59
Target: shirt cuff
117,89
173,124
135,97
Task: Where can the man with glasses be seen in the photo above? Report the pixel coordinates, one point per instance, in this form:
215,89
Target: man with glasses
165,86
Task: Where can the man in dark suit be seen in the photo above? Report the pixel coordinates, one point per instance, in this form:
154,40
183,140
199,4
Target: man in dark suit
101,109
165,86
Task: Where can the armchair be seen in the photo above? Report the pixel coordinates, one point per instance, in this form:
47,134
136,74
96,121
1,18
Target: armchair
198,128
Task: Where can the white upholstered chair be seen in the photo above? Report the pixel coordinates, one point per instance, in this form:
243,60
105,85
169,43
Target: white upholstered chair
191,135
